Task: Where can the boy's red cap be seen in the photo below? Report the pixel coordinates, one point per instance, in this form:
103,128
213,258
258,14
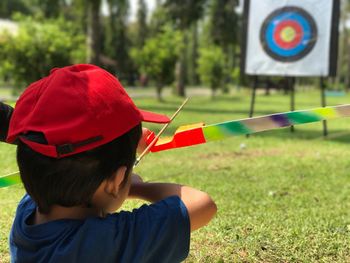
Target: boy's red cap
77,108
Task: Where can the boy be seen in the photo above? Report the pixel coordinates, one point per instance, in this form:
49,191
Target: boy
5,116
78,132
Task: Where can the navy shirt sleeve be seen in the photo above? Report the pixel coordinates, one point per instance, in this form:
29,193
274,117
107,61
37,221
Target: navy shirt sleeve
158,232
5,116
161,231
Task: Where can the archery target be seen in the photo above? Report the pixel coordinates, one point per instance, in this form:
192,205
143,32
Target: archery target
290,37
288,34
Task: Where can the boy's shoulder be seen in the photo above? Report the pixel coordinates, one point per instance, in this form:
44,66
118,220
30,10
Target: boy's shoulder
147,234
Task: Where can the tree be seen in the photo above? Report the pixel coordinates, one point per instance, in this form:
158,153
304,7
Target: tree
93,31
77,10
142,27
158,56
38,47
116,42
211,67
36,8
183,15
223,23
224,27
343,67
158,19
9,7
192,75
50,8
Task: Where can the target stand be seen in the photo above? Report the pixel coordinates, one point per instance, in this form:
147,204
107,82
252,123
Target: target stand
290,41
290,87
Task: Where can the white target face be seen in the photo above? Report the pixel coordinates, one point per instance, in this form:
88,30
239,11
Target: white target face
289,38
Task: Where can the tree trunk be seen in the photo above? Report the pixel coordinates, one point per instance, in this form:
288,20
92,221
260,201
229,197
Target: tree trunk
347,78
93,31
159,89
213,91
346,32
343,44
194,55
181,68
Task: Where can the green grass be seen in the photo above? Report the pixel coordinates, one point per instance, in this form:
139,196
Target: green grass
282,198
5,91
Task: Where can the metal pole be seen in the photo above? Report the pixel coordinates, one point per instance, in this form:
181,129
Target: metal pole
323,102
291,82
252,100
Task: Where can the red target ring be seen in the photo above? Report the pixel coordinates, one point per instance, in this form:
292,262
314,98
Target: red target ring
288,34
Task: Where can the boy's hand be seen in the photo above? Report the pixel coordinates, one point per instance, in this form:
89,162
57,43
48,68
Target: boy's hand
143,140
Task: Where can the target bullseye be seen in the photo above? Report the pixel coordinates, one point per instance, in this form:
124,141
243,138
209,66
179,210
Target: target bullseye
288,34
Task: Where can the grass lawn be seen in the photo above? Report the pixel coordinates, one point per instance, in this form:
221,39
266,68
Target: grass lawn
281,197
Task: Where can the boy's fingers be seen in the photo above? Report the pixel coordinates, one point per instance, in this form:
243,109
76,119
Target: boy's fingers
143,143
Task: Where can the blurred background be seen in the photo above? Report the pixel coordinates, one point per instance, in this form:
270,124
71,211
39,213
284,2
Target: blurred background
282,197
146,43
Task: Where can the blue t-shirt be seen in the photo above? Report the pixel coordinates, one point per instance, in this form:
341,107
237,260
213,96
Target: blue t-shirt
158,232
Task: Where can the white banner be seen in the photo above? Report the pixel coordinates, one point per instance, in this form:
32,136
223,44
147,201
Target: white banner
290,37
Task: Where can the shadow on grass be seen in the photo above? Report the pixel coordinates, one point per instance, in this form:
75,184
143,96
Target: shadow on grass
336,135
218,99
202,107
162,108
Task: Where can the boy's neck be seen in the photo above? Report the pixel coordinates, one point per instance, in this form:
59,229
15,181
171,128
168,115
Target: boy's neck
60,212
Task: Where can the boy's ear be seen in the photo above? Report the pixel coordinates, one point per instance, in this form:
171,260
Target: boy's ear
113,184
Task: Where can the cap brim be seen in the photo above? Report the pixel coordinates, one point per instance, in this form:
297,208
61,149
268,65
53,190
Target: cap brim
154,117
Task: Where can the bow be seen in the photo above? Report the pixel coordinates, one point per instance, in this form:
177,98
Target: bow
200,133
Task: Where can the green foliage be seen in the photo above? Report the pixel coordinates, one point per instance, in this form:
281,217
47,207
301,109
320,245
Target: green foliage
223,22
192,55
50,8
38,47
142,26
184,13
37,8
45,8
236,75
158,56
8,7
116,40
211,67
158,19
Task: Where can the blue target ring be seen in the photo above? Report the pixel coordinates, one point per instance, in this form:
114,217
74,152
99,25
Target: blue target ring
288,34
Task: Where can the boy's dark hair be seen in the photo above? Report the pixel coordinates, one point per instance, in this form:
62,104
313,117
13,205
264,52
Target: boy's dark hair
73,180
